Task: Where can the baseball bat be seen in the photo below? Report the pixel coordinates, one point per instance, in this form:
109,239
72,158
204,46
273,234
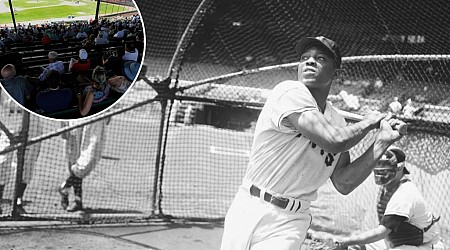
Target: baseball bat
402,128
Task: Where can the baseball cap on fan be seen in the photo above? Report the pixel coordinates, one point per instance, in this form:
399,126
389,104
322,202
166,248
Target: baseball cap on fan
83,54
399,154
323,42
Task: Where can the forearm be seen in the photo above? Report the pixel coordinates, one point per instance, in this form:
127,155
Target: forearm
331,138
81,104
349,176
370,236
348,136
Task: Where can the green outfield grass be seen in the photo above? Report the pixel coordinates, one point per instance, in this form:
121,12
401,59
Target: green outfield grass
51,9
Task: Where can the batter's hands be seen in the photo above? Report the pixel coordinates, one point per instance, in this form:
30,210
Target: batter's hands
374,118
387,133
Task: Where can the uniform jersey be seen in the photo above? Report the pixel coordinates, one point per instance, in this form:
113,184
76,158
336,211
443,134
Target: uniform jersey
282,160
408,202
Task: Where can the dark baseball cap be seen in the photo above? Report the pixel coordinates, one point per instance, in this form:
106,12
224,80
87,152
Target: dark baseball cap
323,42
399,154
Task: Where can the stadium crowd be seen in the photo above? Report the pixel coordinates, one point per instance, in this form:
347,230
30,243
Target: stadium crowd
55,67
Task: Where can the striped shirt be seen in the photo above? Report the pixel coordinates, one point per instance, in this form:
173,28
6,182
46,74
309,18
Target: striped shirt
58,66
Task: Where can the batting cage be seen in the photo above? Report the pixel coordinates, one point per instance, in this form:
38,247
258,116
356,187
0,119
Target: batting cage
177,145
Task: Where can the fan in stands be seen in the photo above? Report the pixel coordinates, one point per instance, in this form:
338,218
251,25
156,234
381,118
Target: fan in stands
74,50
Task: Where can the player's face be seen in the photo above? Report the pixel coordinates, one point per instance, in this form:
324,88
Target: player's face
384,172
316,68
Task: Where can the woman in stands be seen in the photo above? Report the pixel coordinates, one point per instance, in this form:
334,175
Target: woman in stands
97,91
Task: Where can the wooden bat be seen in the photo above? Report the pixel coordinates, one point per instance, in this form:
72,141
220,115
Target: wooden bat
402,128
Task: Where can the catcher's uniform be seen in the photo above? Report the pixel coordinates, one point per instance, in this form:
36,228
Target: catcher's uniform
84,147
407,201
271,207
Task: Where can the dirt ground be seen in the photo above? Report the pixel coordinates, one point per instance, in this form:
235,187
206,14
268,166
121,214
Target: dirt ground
173,236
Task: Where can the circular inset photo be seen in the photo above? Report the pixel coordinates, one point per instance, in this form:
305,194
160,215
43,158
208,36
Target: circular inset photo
71,63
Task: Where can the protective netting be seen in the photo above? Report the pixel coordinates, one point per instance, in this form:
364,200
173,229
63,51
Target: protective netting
121,183
224,57
213,51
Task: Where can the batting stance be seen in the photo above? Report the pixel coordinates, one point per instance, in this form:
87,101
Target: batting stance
31,153
405,221
300,141
83,149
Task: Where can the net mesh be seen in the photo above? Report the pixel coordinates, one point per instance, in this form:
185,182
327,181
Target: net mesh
241,49
223,57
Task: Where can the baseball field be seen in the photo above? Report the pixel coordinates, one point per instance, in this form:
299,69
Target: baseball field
53,10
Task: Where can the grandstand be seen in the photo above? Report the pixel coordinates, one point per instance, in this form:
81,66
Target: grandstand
23,46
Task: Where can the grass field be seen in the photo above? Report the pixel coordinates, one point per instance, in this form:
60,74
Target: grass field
47,10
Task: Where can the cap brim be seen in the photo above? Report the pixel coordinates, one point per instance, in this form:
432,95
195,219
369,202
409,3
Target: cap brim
306,42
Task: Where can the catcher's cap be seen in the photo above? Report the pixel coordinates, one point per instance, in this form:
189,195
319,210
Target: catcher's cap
324,43
399,154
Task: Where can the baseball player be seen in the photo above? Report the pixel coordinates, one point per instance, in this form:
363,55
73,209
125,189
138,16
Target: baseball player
31,152
83,149
300,141
405,221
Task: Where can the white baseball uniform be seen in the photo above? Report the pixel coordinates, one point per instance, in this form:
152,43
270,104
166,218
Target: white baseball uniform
84,146
5,160
283,163
408,202
31,152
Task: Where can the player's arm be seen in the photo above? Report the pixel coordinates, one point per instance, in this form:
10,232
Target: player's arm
387,225
367,237
349,175
334,139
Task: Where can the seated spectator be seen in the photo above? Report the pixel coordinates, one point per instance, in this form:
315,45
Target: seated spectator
112,63
119,34
17,86
104,31
28,38
18,37
70,33
89,42
131,53
81,34
139,42
119,84
80,65
53,65
53,36
46,41
65,41
97,91
100,39
54,98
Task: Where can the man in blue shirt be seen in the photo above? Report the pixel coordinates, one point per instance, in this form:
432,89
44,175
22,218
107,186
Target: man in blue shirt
17,87
53,65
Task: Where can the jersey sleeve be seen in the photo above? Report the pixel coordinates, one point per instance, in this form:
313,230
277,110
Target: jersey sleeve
294,98
392,221
401,202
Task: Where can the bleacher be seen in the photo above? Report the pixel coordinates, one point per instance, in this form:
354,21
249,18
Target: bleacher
30,59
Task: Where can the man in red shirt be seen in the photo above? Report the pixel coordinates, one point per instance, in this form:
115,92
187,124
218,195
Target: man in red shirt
82,65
